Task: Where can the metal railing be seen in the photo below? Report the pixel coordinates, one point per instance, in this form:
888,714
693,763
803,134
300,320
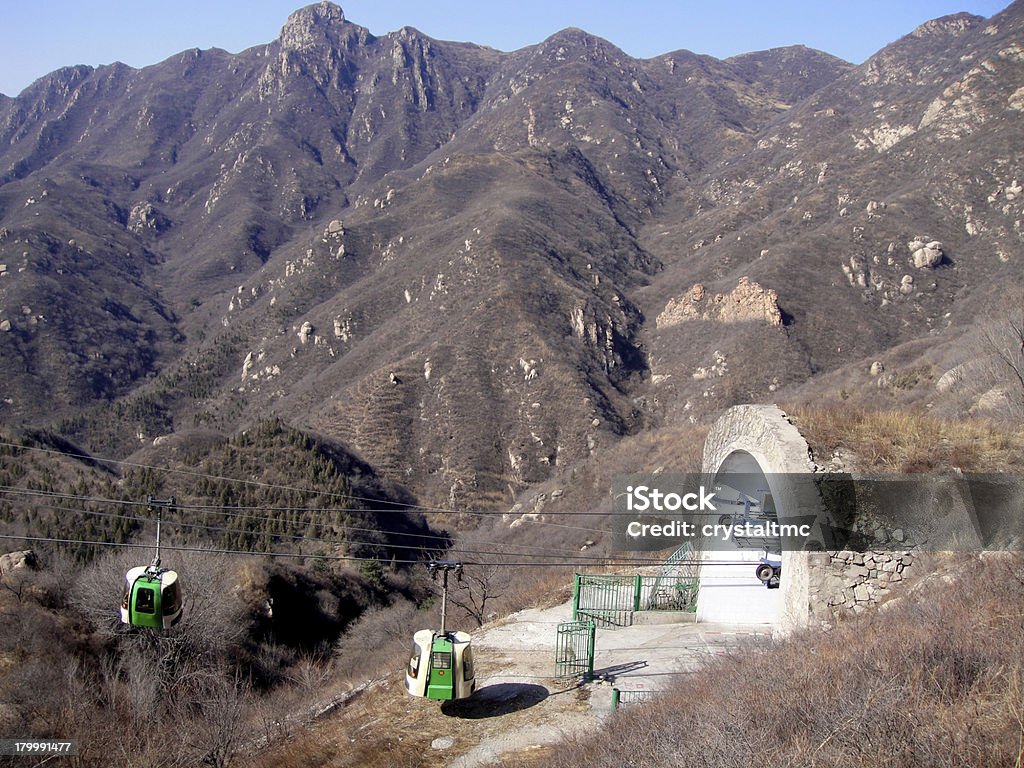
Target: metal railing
623,698
610,600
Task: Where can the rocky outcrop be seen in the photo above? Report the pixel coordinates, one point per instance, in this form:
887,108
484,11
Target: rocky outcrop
307,27
15,560
952,378
926,255
993,400
951,26
144,217
747,302
247,365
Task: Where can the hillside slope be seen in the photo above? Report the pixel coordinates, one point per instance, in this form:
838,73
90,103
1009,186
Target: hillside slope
476,268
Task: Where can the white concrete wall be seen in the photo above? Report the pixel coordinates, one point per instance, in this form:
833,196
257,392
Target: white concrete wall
732,593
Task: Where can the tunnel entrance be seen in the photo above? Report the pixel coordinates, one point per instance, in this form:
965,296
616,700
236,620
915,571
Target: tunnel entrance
730,590
763,459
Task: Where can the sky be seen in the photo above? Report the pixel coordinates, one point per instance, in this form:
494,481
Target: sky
39,37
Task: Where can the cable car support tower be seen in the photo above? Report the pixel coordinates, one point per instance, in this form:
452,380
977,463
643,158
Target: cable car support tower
442,566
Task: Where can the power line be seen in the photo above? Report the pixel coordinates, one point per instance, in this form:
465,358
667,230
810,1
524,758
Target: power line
299,538
233,512
580,560
605,563
609,562
394,506
207,550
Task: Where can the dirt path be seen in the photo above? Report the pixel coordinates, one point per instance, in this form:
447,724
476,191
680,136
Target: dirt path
519,709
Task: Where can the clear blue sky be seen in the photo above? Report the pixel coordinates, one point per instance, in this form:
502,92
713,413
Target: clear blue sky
39,37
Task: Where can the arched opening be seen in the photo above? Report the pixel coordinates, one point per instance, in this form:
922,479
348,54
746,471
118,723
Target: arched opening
757,448
730,590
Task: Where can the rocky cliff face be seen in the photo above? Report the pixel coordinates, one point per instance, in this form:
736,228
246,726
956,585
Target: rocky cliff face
453,258
747,302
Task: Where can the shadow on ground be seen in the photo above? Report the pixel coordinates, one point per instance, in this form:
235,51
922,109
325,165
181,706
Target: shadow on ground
609,674
496,700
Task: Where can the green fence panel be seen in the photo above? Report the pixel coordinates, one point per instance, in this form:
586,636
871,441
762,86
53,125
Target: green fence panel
608,600
611,600
623,698
676,585
674,593
574,650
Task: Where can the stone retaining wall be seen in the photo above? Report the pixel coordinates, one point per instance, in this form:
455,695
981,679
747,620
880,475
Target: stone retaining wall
848,583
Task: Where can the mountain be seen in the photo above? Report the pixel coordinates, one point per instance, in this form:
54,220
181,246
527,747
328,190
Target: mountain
474,268
882,209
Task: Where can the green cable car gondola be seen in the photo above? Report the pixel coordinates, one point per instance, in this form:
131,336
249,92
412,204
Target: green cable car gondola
441,666
152,598
152,595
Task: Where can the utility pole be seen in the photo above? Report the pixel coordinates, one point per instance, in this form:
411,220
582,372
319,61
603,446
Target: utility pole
444,566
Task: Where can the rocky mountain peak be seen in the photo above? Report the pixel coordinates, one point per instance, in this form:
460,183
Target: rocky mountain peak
953,25
576,41
311,25
59,83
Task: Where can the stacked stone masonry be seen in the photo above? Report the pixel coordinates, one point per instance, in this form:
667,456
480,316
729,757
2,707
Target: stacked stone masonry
845,582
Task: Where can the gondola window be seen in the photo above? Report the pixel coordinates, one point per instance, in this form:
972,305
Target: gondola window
414,660
441,660
144,601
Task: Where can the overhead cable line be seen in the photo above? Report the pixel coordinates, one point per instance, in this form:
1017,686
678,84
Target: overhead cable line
296,537
395,506
602,562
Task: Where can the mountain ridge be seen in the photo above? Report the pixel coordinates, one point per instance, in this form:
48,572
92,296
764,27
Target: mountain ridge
310,227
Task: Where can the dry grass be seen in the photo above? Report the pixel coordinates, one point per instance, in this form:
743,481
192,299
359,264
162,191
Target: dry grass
909,441
936,681
677,447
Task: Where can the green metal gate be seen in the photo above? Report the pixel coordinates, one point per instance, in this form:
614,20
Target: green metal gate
574,650
611,600
620,697
608,601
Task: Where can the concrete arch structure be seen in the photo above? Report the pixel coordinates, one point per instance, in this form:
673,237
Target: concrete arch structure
759,441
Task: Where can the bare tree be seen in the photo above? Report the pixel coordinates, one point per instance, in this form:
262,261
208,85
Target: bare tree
210,622
182,675
17,583
218,732
1003,342
480,584
311,672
